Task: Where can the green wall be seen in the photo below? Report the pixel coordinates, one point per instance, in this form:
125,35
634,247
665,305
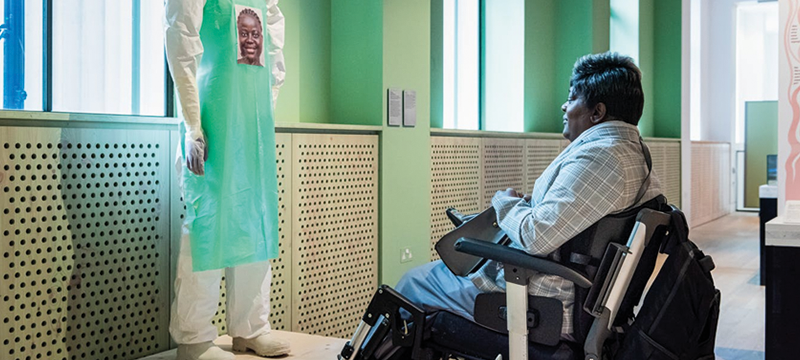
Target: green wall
315,62
333,53
760,140
356,61
305,95
405,152
287,108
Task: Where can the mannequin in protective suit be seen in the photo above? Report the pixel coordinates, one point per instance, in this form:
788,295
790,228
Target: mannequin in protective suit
227,83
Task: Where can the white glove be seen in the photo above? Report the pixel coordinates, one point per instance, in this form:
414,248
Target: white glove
196,153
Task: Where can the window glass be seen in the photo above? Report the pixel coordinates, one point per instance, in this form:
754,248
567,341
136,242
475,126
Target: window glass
504,68
624,28
461,64
21,38
756,57
108,57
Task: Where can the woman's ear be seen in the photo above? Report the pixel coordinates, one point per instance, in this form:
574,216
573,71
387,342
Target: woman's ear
598,113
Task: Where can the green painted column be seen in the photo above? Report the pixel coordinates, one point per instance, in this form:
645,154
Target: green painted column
601,25
405,151
560,32
542,104
667,57
437,66
572,41
646,65
658,55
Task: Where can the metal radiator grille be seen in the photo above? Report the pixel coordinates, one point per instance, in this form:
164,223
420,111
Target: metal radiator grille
335,221
503,166
455,182
667,166
541,152
84,239
280,290
280,299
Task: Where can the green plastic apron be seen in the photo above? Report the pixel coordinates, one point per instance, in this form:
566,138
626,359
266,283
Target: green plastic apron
232,211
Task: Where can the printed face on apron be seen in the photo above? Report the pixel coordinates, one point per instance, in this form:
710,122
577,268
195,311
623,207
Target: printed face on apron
250,35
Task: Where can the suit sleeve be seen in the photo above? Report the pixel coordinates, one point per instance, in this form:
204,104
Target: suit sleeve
182,22
276,29
585,189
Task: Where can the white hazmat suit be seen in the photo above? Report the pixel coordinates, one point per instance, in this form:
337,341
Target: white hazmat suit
247,286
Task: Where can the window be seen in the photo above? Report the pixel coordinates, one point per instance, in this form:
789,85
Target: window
483,65
108,57
624,28
21,36
756,57
504,67
461,64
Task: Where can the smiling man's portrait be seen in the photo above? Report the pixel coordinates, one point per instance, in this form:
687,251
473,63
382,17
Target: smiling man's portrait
251,36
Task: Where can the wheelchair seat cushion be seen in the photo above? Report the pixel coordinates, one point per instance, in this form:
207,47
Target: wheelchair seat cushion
473,341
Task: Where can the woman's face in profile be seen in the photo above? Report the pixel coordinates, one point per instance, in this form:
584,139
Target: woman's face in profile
250,39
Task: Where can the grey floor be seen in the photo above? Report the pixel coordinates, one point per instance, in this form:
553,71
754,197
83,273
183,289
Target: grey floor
732,241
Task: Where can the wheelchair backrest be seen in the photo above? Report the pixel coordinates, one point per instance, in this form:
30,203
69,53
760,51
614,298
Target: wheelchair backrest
585,251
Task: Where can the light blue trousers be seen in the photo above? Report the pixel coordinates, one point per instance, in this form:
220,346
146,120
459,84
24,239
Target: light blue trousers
433,287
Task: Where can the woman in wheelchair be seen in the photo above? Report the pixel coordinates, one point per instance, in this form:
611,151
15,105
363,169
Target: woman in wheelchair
605,170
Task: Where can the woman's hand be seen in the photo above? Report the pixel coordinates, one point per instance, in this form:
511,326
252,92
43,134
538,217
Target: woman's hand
510,192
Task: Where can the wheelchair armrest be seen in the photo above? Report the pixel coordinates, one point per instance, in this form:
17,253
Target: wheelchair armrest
519,258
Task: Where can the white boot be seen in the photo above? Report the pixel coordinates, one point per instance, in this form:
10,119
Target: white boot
203,351
264,345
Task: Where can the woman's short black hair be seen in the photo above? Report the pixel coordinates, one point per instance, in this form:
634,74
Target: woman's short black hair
611,79
249,12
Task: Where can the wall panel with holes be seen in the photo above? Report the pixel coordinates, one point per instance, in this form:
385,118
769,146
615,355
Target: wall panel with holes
540,153
666,157
455,182
85,241
504,162
334,231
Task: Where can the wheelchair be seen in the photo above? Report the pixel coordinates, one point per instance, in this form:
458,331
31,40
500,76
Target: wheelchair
609,263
